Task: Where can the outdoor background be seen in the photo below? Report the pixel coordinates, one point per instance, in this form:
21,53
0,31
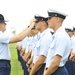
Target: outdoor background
20,12
16,68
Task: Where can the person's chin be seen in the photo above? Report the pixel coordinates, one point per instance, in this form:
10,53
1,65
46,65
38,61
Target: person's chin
49,26
5,29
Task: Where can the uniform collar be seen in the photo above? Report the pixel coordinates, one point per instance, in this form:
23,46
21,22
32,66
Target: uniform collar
58,31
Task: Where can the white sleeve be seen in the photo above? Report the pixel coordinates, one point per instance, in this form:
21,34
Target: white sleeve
73,45
60,47
44,46
5,37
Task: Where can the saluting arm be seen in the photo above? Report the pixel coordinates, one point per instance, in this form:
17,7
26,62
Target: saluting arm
22,35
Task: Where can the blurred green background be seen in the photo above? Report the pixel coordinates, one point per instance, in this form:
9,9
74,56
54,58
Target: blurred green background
16,68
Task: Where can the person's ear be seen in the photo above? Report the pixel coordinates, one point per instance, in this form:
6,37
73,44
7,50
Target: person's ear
57,19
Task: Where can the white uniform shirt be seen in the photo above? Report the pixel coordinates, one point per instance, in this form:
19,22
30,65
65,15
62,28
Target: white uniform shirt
31,42
61,45
73,43
23,42
34,39
4,48
34,42
42,46
29,39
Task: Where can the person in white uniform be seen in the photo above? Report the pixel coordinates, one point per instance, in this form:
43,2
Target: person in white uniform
33,44
59,49
70,65
5,39
27,44
72,57
41,48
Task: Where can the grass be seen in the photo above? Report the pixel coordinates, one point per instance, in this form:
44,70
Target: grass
16,68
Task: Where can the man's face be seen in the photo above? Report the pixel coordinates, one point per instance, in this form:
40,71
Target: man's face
34,32
51,22
70,33
74,33
3,26
38,25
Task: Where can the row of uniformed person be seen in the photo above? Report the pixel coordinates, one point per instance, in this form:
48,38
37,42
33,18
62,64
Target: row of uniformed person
40,44
41,48
70,64
46,53
24,48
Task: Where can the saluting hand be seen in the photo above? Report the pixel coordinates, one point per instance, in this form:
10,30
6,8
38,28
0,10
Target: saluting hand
32,23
